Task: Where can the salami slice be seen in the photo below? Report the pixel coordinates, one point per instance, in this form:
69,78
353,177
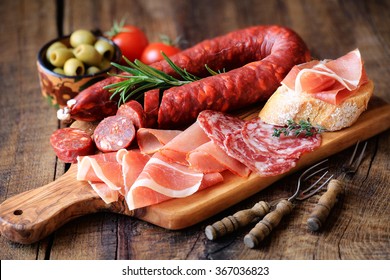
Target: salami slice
69,143
218,125
260,163
134,111
258,135
252,144
114,133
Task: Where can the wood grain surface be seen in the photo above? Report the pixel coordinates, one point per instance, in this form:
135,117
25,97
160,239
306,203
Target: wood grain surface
359,224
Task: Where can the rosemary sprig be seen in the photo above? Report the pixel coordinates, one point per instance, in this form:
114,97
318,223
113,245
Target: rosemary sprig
303,127
212,72
144,77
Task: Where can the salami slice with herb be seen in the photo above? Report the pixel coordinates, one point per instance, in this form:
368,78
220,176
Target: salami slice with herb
252,142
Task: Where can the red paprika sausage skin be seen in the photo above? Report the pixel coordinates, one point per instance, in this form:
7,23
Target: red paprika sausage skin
273,50
256,60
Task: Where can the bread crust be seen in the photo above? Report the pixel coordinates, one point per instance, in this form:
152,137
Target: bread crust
286,105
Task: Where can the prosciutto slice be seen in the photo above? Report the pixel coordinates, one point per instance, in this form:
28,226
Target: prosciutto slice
329,80
211,158
111,174
177,149
161,180
133,162
107,195
152,140
102,167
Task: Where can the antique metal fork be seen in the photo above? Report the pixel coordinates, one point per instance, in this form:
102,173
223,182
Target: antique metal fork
265,226
335,187
282,207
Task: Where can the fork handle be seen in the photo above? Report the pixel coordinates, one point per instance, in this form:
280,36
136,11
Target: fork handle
267,224
238,220
325,204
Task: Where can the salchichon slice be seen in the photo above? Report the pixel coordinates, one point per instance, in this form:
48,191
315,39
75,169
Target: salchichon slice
252,143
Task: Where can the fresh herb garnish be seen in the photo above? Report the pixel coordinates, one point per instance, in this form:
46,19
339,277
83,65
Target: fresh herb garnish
144,77
303,127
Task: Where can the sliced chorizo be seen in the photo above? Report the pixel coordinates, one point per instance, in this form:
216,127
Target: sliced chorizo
69,143
114,133
134,111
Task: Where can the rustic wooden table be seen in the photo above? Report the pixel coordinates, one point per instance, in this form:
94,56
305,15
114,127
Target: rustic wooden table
359,226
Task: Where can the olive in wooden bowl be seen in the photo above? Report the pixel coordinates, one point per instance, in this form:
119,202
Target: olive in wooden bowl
69,64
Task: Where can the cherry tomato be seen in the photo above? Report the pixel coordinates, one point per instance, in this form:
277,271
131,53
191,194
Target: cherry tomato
131,41
152,52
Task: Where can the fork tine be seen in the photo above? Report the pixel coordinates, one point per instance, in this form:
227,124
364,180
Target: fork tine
359,160
353,154
313,192
316,182
303,177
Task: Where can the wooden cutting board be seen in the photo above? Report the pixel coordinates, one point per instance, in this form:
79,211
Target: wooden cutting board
32,215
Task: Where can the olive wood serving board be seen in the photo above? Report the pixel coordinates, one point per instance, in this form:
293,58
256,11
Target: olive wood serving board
34,214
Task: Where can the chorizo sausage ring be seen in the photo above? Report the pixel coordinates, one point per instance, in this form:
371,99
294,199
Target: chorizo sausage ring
256,60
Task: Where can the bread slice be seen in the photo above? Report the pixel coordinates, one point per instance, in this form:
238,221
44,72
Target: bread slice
286,105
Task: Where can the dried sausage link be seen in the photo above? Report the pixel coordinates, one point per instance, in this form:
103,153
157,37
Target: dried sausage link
269,53
259,57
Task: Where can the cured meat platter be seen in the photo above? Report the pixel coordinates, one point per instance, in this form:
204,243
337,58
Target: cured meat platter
32,215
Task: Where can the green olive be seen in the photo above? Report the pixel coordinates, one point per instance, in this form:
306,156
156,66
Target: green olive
105,64
55,45
87,54
105,49
74,67
82,36
59,71
59,56
92,70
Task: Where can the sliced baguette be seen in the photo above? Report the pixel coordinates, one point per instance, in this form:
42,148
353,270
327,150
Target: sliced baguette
286,105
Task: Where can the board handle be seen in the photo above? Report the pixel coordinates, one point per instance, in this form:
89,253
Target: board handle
267,224
325,204
32,215
238,220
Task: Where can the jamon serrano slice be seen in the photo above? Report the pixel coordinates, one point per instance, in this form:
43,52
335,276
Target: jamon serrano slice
152,140
161,180
329,80
210,158
102,167
133,162
107,195
111,174
176,150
